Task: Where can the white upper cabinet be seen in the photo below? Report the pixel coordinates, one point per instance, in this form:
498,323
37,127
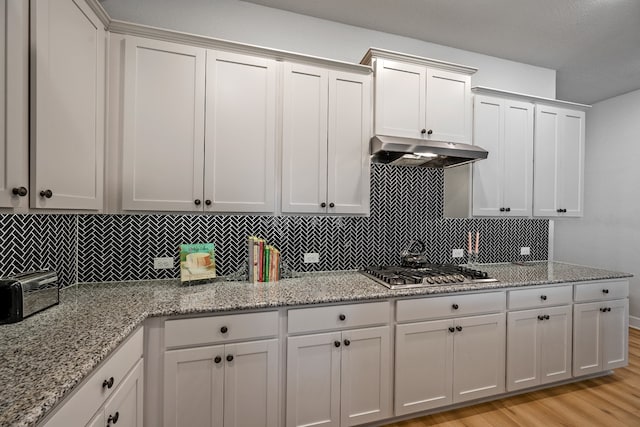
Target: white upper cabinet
67,105
558,161
163,126
502,183
326,131
421,98
240,133
14,72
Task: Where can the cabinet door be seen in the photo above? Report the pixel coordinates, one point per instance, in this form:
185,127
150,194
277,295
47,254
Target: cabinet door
313,380
240,133
67,105
523,349
545,167
571,162
194,387
349,130
587,338
615,335
124,407
517,148
424,356
366,376
400,91
478,357
163,135
555,344
251,384
488,133
14,98
448,110
304,139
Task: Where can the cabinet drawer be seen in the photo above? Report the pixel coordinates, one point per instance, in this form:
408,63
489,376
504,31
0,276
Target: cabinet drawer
454,305
215,329
611,289
83,404
328,318
540,297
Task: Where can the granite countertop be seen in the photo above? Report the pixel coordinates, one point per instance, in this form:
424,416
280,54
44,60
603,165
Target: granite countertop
45,356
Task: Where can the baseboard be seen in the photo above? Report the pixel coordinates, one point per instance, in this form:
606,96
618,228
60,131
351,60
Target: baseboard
634,322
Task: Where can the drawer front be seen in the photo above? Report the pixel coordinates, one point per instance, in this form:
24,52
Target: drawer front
83,404
596,291
219,329
330,317
449,306
540,297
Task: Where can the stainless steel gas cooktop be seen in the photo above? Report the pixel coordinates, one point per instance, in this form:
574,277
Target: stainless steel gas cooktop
403,277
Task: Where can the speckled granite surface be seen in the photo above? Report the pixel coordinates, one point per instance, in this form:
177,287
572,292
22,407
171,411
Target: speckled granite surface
46,355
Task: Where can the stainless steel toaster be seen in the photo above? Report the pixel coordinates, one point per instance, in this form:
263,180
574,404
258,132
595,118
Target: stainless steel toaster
25,294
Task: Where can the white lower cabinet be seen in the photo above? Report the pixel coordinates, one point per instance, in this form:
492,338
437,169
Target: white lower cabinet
538,346
339,378
222,385
447,361
600,334
124,408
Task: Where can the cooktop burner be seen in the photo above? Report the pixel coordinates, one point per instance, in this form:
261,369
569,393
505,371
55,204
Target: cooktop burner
395,277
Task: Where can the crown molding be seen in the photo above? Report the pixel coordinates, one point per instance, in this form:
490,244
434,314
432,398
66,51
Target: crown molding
102,14
483,90
375,52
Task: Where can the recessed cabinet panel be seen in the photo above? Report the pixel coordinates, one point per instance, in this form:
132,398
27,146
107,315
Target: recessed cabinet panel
523,349
313,380
448,106
194,387
163,139
555,350
240,133
304,150
518,157
587,338
67,105
14,99
125,407
402,87
488,133
571,153
349,131
365,381
615,327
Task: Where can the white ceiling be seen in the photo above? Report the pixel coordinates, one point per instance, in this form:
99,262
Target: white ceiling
593,44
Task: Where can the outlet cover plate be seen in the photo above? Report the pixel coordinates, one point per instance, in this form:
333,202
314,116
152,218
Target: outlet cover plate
311,258
457,253
161,263
525,250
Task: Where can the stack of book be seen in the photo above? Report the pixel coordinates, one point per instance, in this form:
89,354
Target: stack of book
264,261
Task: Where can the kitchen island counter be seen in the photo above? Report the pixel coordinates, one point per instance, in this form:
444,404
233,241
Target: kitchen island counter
47,355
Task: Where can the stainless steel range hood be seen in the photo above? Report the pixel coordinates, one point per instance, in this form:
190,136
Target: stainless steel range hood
419,152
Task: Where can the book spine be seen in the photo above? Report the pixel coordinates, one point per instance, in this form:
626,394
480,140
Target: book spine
261,266
250,256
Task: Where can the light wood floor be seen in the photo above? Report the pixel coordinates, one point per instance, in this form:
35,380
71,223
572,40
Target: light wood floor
608,401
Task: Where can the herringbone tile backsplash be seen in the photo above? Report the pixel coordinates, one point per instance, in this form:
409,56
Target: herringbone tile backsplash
406,203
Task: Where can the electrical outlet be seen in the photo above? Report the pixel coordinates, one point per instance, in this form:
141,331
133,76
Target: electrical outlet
311,258
161,263
525,250
457,253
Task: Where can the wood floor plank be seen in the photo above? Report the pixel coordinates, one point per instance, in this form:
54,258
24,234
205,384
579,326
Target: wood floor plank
609,401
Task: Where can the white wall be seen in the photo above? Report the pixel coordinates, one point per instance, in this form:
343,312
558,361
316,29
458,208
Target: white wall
608,236
254,24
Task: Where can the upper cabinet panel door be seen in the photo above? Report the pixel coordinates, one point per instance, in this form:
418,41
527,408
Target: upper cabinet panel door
547,135
304,139
67,105
348,143
14,90
163,135
571,162
488,133
448,108
400,98
240,133
518,157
